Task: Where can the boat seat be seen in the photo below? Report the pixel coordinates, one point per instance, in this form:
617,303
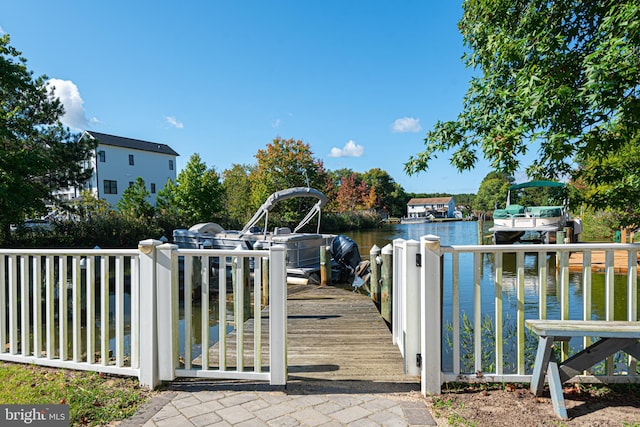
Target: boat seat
279,231
515,210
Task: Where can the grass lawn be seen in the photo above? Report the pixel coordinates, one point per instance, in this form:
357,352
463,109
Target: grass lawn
93,398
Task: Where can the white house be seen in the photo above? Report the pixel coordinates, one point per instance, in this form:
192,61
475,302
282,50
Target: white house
118,161
439,207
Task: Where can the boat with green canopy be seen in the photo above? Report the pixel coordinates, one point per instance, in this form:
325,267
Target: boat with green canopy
517,223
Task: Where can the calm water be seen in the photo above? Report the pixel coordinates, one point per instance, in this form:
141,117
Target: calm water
465,233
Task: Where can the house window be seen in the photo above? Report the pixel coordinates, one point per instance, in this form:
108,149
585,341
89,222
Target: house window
131,159
102,157
153,188
110,186
170,165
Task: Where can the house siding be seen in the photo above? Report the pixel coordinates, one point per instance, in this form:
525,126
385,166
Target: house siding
151,162
442,207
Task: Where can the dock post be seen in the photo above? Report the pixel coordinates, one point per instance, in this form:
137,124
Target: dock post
325,265
387,282
374,256
481,230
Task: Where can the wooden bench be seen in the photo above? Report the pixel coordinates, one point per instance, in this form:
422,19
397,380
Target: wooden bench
614,336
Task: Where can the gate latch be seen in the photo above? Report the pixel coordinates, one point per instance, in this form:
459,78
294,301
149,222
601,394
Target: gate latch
418,260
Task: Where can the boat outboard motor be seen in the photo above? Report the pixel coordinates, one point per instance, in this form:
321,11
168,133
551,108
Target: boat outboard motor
345,253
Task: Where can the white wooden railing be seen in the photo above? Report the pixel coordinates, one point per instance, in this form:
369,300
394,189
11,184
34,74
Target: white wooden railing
117,311
61,308
440,270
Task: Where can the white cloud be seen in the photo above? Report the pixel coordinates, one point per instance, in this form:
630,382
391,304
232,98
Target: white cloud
276,123
350,149
406,124
174,122
74,114
2,30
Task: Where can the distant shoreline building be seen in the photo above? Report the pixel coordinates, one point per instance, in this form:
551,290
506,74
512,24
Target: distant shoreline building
117,163
438,207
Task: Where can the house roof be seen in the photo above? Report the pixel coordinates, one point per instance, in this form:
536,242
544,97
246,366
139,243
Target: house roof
135,144
429,201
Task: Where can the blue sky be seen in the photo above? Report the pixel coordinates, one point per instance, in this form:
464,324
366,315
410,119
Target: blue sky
360,82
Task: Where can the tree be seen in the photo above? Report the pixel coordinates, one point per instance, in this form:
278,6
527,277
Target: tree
198,194
38,155
563,74
285,164
237,187
134,204
492,192
89,207
352,195
614,182
391,195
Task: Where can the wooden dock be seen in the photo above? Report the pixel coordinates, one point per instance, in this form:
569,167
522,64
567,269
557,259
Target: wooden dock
334,335
620,261
338,334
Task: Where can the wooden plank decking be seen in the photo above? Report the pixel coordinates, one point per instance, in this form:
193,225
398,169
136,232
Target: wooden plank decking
338,334
333,334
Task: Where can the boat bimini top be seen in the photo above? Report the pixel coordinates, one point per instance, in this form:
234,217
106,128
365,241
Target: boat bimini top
289,193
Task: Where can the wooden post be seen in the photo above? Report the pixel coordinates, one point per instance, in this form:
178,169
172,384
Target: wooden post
387,282
325,266
481,230
374,255
568,235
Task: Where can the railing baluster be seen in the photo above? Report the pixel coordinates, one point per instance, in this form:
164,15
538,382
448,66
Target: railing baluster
477,311
239,301
104,309
25,348
587,289
90,280
520,311
609,297
188,271
13,304
135,312
542,284
119,308
50,307
498,313
62,306
204,307
37,305
75,308
257,314
455,310
222,313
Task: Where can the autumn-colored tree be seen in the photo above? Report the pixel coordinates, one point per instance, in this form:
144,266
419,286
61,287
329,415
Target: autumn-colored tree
391,196
352,195
286,164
